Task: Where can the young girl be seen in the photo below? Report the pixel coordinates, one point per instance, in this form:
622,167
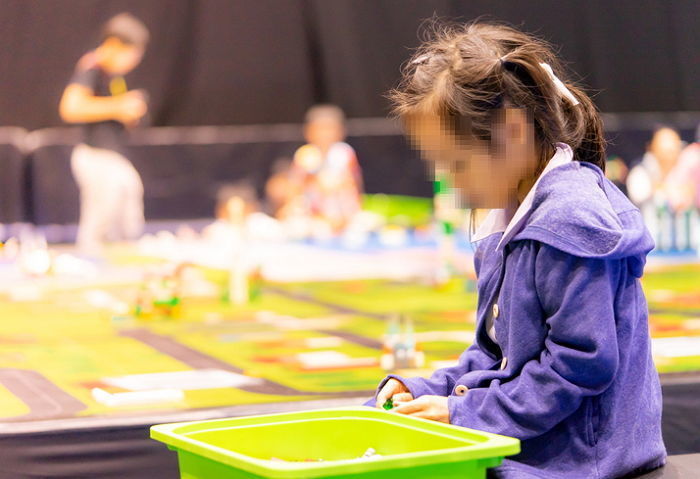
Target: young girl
562,355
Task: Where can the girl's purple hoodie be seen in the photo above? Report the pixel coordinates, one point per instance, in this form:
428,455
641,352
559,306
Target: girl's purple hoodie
570,373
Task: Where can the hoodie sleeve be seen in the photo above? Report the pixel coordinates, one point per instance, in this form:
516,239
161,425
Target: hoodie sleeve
579,359
442,381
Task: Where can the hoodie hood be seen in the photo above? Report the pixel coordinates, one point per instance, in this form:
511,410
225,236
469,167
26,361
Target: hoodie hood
576,209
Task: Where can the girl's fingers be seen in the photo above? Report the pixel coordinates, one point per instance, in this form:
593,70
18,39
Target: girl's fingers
410,407
386,392
423,415
380,400
402,397
434,408
383,394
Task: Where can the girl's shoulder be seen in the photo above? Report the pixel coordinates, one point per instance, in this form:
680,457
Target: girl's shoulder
579,211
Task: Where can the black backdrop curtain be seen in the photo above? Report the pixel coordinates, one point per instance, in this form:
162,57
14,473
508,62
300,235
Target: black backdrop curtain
218,62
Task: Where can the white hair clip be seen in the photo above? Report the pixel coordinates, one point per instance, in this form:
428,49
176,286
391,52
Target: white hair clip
421,59
559,84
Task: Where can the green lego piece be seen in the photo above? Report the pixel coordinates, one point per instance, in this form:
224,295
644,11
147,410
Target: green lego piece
389,404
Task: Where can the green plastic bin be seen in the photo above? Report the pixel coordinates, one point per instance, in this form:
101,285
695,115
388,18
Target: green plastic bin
408,447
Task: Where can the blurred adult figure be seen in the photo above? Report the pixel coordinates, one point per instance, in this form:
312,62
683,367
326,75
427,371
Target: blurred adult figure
111,191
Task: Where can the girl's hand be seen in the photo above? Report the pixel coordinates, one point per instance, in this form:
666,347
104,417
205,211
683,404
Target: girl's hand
394,389
426,407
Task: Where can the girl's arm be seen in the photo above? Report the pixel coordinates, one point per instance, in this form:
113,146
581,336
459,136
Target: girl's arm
580,358
443,380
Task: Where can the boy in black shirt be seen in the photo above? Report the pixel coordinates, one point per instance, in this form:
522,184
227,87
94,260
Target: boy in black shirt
111,192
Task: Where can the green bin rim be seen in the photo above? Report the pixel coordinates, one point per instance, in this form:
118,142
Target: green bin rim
494,445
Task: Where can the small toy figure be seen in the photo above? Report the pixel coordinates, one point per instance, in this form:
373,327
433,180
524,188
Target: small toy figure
399,350
160,294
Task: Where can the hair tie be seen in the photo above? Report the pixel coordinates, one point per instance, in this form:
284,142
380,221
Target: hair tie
559,84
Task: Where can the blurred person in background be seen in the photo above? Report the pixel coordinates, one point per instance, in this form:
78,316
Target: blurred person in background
684,179
325,176
646,178
239,217
648,187
278,187
682,190
111,191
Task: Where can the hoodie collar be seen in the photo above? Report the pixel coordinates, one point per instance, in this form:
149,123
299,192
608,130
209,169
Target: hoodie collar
503,219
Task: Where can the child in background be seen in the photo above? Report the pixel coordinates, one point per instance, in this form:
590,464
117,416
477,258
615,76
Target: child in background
687,176
239,219
561,358
645,179
647,185
681,190
278,188
325,174
111,192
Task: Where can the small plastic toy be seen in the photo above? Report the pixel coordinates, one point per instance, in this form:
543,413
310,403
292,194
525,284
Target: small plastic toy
400,350
160,295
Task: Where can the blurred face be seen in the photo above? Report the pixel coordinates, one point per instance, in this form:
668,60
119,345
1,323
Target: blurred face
324,132
277,189
486,174
120,57
234,210
666,147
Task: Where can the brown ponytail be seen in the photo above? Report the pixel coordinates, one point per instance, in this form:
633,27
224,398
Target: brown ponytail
469,71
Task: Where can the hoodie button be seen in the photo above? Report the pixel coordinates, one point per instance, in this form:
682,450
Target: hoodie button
461,390
504,363
495,310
